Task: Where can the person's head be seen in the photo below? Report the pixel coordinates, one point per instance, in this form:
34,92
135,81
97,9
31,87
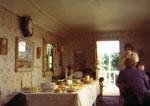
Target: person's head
140,65
101,79
70,66
128,48
129,63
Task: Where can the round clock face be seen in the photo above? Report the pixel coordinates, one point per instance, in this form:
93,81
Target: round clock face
30,27
27,26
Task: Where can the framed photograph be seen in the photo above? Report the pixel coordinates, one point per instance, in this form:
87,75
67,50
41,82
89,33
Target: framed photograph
38,52
24,55
3,46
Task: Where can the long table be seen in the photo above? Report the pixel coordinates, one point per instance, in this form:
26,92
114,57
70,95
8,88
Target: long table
86,96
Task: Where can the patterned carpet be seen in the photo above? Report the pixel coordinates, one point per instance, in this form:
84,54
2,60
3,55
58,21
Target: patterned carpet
109,101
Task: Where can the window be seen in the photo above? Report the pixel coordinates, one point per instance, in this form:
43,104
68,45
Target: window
48,50
50,57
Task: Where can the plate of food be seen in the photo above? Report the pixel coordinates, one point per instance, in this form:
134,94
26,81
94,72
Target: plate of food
71,90
58,90
61,86
26,90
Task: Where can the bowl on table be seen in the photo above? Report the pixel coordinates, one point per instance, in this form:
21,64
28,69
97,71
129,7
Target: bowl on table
49,86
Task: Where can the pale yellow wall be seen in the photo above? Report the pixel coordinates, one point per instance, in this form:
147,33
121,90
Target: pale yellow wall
9,28
79,44
9,79
140,40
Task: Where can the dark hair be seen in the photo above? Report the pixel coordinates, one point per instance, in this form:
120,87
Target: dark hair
101,79
69,66
87,71
141,62
18,100
129,45
129,63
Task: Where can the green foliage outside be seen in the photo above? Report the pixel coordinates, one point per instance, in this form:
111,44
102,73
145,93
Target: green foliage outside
105,60
114,61
50,57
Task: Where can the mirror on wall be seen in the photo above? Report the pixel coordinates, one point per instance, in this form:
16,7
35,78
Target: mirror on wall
48,57
24,55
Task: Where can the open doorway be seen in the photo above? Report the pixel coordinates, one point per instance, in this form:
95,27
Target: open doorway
107,65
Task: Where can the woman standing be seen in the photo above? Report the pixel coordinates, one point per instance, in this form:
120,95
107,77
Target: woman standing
129,53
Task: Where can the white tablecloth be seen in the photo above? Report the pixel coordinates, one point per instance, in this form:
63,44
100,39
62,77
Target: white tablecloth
88,94
85,97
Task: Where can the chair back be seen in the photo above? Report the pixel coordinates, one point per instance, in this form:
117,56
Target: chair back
130,99
18,100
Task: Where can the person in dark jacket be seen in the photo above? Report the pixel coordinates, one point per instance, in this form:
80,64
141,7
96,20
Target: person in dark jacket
141,66
133,84
18,100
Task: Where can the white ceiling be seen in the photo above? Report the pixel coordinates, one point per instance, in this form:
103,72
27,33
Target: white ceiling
73,16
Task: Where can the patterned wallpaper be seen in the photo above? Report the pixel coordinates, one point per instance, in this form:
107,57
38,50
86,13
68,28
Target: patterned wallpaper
140,40
10,80
9,28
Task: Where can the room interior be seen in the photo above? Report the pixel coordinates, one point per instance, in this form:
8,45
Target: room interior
71,26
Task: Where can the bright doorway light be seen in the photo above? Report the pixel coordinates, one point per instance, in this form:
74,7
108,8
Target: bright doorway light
107,64
108,47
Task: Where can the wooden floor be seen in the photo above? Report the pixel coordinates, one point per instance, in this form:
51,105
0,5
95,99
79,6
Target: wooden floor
111,90
109,101
110,96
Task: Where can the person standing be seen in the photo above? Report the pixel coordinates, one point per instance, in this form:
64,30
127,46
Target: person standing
129,52
69,72
101,82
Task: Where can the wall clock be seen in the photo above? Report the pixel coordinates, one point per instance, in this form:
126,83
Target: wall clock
26,26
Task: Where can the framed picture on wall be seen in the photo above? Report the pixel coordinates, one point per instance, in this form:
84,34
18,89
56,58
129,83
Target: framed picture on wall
24,55
48,58
79,59
3,46
38,52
